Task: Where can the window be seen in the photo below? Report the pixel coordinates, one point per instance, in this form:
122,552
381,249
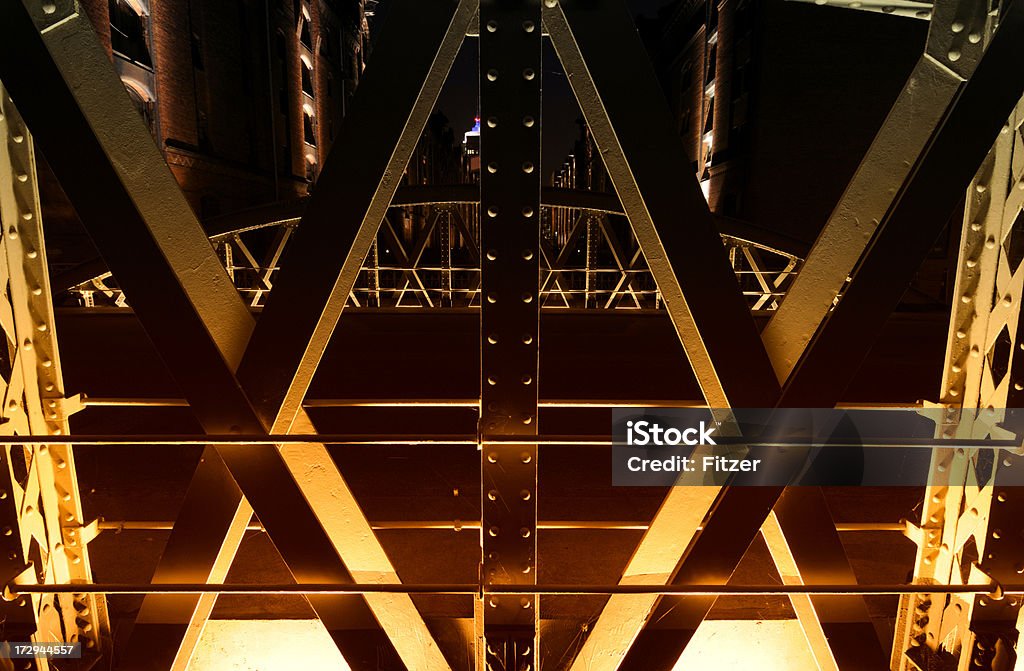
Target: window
129,32
308,130
305,36
307,77
144,104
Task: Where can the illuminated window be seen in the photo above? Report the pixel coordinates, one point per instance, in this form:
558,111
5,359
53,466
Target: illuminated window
308,129
305,36
129,31
307,77
144,103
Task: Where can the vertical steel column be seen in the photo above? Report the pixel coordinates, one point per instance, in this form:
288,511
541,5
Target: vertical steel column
969,527
445,243
510,95
43,536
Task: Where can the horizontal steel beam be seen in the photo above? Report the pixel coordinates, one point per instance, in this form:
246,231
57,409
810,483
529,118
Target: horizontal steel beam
460,525
994,589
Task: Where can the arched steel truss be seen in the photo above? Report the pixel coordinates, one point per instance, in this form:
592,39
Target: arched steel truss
427,254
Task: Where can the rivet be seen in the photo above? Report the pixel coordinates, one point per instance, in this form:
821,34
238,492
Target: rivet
527,419
528,26
492,212
525,602
492,26
492,380
27,216
492,457
974,38
493,531
980,188
990,242
492,122
492,75
529,74
527,254
1007,463
997,534
957,26
1001,497
12,232
965,298
527,298
49,8
1007,300
27,344
961,334
492,495
492,254
8,531
527,339
492,297
457,525
492,339
492,168
954,55
18,138
526,379
525,532
528,121
527,211
550,4
493,602
526,457
525,495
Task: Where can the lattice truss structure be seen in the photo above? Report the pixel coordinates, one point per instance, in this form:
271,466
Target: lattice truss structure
43,536
428,256
964,533
243,376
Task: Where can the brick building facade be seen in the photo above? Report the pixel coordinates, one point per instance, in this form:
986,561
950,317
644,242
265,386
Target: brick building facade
243,98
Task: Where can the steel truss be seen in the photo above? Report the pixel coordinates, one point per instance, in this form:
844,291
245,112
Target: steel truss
248,378
589,256
43,535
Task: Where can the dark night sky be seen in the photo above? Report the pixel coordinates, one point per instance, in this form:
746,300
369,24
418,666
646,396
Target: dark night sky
458,100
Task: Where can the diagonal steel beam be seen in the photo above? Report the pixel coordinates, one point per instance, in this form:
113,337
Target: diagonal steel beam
611,635
905,235
950,58
632,126
341,220
652,176
186,283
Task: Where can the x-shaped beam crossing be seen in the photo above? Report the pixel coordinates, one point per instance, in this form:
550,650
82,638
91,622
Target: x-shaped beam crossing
251,379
